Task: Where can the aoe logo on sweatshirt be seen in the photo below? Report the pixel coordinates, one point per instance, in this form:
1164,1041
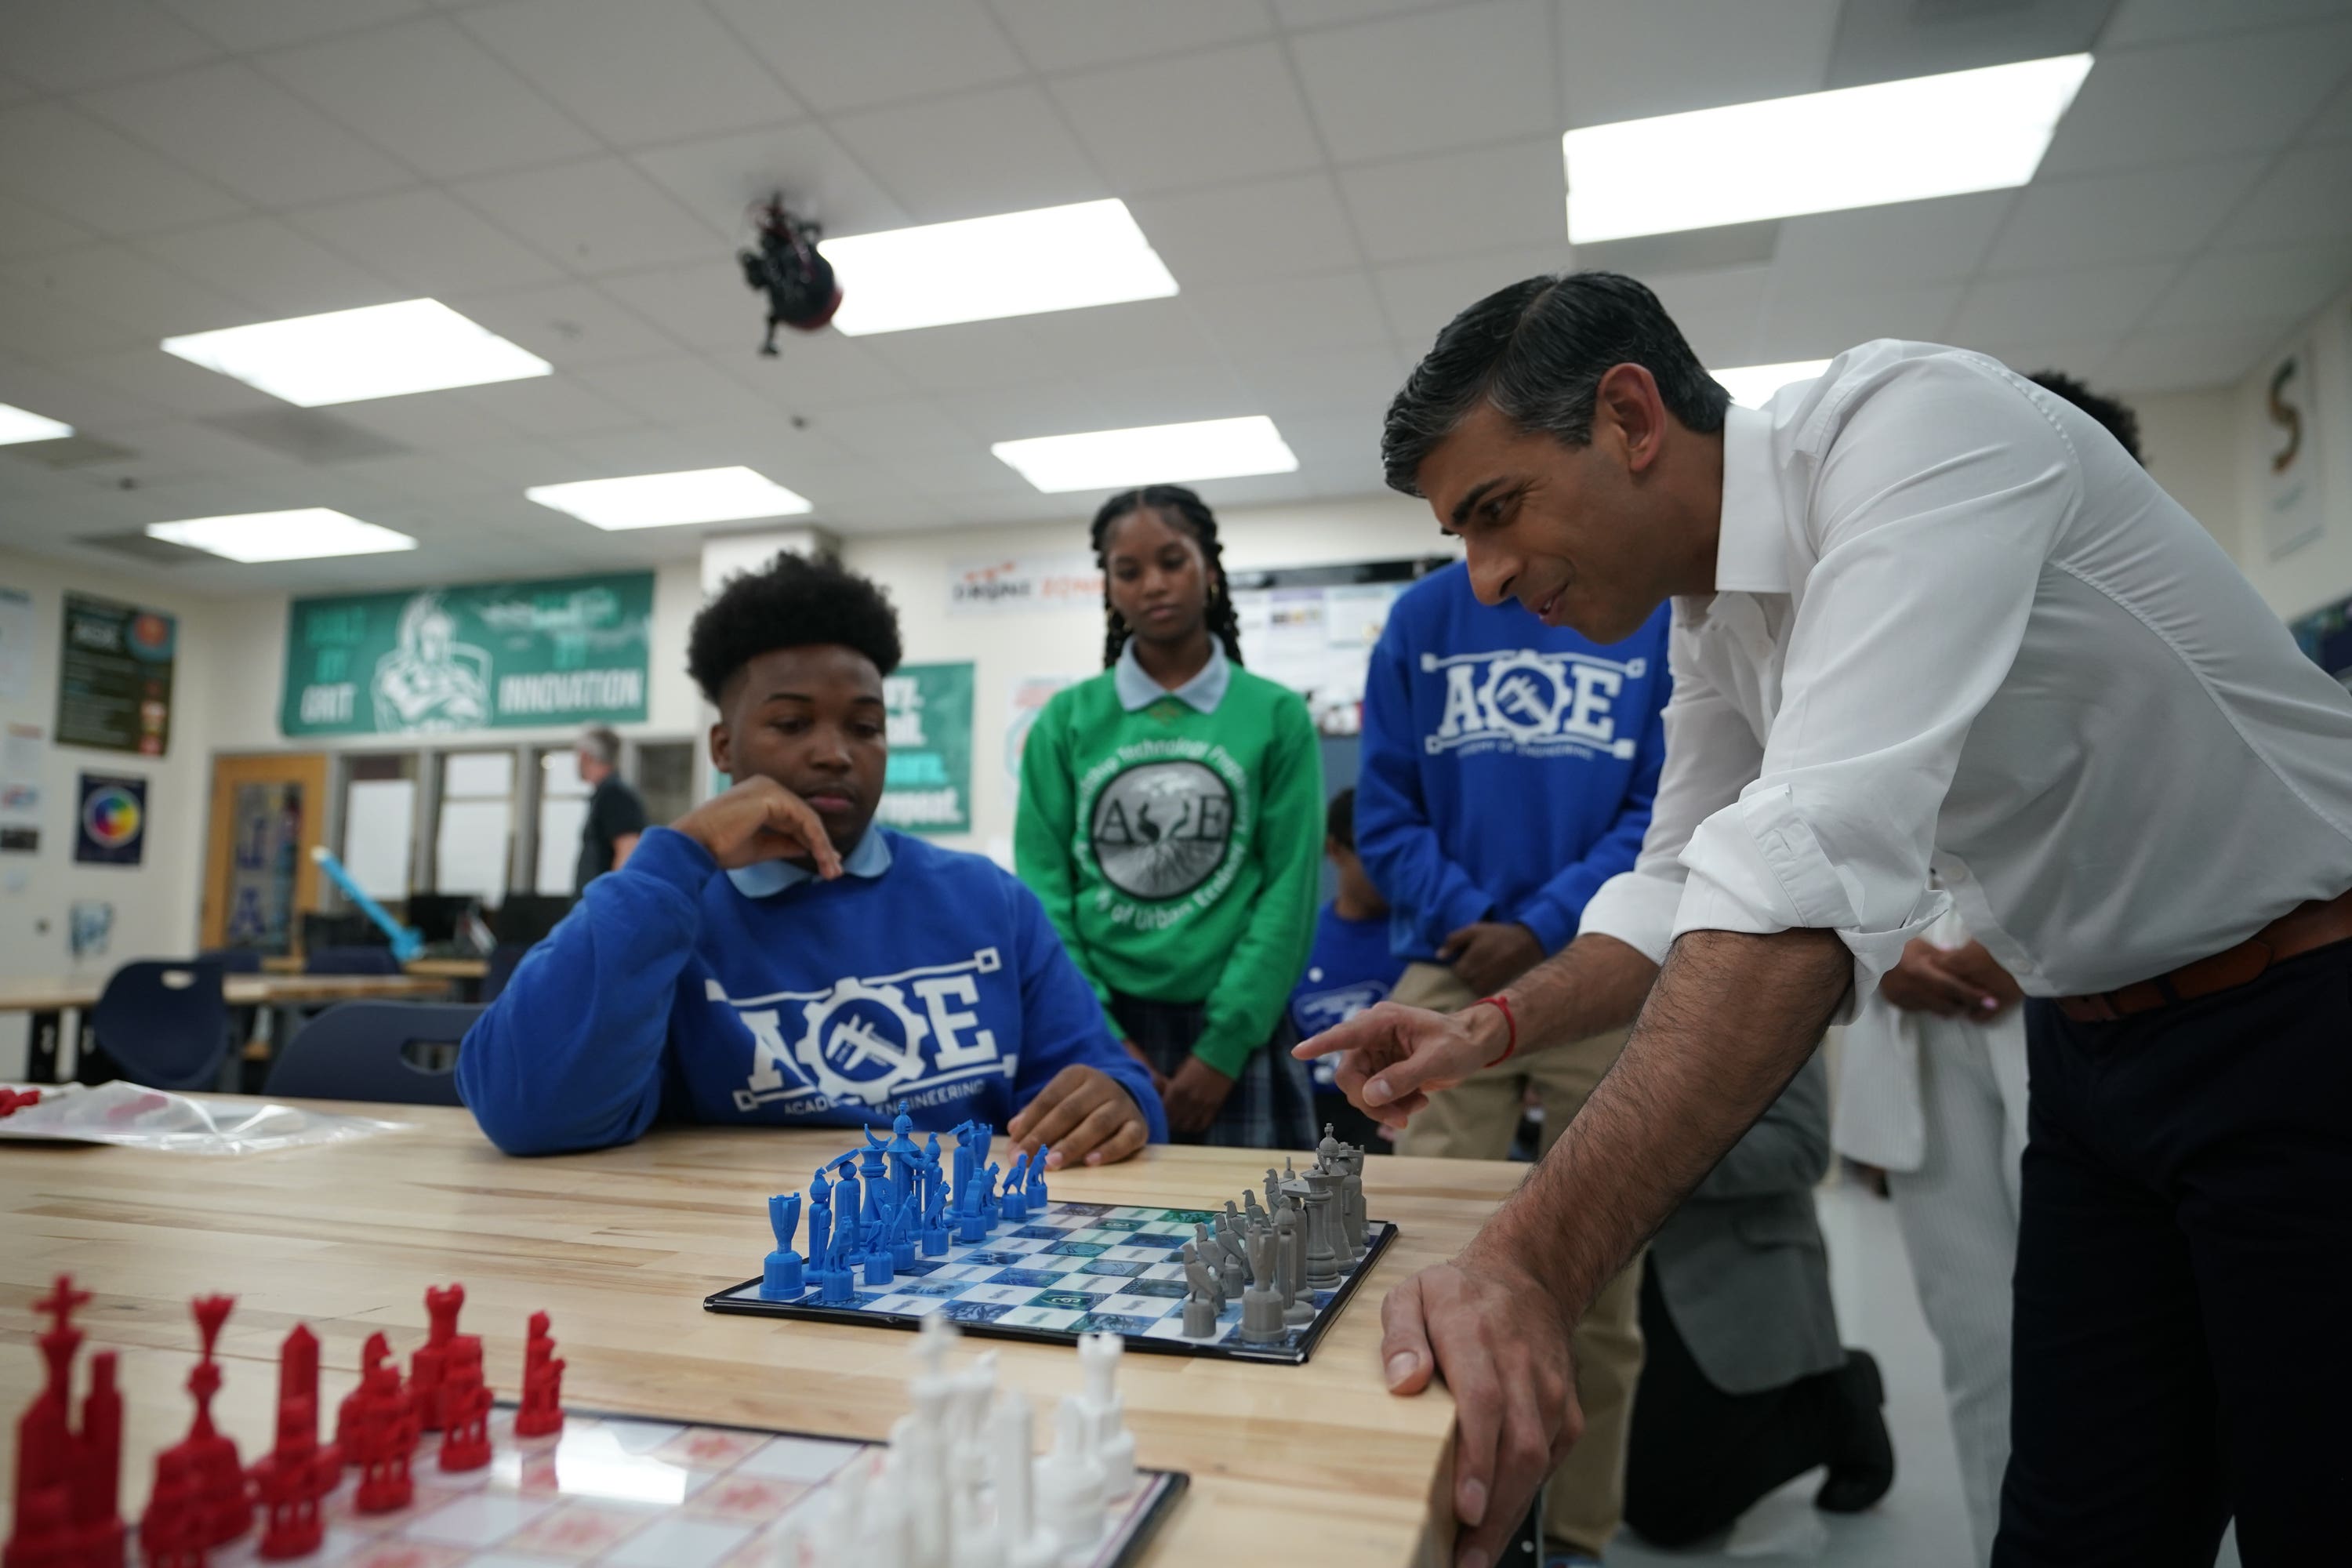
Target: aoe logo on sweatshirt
1534,703
870,1041
1160,829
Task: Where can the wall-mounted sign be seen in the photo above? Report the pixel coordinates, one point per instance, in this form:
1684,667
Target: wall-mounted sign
929,786
480,656
114,677
2294,511
1002,585
110,819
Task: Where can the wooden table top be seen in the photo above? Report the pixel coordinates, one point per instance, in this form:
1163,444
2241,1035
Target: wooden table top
1289,1463
242,990
448,968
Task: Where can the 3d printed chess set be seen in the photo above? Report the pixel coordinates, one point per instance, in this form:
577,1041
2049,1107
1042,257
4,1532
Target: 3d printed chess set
959,1485
900,1236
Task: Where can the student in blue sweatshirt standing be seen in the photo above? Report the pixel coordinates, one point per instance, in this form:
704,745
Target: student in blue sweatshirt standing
775,958
1508,769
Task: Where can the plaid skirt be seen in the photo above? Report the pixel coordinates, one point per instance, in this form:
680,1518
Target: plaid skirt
1272,1105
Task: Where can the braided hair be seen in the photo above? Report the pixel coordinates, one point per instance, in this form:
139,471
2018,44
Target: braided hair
1179,505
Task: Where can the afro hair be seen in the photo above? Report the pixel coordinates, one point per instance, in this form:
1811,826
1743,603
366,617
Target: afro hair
2113,414
796,602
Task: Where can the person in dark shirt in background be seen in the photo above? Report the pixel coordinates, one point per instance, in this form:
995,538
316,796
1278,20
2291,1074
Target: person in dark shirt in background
1351,968
616,815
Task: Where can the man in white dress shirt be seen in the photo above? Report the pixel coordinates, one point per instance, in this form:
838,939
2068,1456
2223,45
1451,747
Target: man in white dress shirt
1927,619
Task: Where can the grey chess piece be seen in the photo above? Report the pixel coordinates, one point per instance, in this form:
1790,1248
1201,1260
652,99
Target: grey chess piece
1323,1259
1273,1189
1226,1262
1250,1209
1201,1276
1327,1152
1291,1237
1351,1206
1262,1311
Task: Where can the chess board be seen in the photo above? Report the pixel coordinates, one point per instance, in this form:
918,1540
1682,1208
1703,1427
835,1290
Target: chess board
1078,1268
613,1492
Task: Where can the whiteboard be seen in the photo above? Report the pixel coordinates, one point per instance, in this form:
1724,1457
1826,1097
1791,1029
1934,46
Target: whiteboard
469,775
560,821
379,830
470,854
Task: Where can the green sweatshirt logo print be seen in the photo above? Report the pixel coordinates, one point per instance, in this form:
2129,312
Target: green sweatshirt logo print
1165,820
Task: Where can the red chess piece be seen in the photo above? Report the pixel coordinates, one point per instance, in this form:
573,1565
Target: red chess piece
42,1533
221,1509
289,1492
372,1355
169,1536
96,1484
541,1412
383,1432
426,1368
464,1407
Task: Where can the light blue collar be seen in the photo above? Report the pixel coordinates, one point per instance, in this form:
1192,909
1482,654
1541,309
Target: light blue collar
767,878
1201,693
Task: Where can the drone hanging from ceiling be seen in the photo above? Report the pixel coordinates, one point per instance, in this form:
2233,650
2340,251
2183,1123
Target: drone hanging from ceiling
788,269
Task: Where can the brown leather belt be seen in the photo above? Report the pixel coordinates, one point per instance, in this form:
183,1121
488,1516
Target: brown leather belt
2313,925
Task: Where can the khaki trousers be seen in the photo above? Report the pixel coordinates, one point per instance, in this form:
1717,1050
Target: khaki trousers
1476,1119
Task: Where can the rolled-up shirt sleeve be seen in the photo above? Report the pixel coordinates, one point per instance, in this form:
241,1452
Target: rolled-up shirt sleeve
1711,752
1933,513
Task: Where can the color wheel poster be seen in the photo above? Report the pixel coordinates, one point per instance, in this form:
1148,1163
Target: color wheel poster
110,819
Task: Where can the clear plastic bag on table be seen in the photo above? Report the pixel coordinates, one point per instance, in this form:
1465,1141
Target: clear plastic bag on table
137,1116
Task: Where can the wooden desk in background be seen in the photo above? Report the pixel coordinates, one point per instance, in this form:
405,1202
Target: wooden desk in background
1307,1464
51,1000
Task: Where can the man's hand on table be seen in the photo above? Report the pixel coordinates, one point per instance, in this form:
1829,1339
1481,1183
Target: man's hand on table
1500,1340
1391,1059
1084,1115
1951,983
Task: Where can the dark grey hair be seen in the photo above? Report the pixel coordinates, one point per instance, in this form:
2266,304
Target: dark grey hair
600,742
1537,351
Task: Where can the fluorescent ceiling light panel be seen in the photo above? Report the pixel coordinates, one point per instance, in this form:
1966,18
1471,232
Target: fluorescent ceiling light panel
1014,264
1751,385
344,356
23,424
1820,151
664,501
306,535
1150,454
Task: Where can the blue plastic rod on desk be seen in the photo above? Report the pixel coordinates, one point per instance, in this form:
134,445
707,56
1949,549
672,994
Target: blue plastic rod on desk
406,943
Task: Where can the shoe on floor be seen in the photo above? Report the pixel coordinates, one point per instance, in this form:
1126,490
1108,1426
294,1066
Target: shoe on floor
1863,1467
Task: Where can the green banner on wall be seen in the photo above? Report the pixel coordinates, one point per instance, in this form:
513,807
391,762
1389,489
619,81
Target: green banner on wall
928,788
480,656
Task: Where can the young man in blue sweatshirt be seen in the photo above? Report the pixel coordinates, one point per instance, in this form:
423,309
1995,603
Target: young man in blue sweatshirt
1349,968
775,958
1508,769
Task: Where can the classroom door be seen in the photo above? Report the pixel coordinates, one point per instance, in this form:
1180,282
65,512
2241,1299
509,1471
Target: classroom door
267,815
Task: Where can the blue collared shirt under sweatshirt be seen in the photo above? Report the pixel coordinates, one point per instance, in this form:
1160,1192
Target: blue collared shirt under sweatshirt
1508,766
924,977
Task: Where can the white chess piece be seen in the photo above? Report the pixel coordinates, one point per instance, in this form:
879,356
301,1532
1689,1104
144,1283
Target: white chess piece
974,1394
1113,1444
1070,1484
1009,1462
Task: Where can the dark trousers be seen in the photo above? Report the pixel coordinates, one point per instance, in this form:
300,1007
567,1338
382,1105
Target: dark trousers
1697,1457
2183,1344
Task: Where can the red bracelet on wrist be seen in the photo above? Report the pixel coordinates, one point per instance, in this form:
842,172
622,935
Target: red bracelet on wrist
1505,1008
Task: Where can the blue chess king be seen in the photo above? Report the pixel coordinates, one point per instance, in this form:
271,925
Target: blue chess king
781,1281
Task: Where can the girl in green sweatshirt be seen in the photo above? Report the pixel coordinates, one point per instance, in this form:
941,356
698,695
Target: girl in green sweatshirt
1171,813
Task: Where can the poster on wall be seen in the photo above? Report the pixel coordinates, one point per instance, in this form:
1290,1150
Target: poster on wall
2293,511
21,754
1013,584
929,786
16,634
114,677
480,656
89,929
110,819
1318,640
1030,695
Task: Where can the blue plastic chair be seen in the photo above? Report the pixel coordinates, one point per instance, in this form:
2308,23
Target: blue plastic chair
368,1050
164,1022
234,960
351,961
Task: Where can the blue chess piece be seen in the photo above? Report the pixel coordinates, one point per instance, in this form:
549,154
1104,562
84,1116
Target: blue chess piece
935,1217
1037,1199
820,1219
780,1280
1014,1202
989,1206
902,1237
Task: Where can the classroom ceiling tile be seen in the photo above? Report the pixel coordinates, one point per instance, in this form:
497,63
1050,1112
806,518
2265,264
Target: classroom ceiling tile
479,118
426,241
566,324
2334,121
551,406
42,330
27,230
1892,40
1818,326
888,431
700,304
966,357
594,216
1294,315
94,174
2086,302
1259,228
116,281
817,371
2141,22
634,73
88,407
1015,413
229,122
2303,197
2180,362
1071,34
1422,83
246,24
1662,56
673,389
720,178
272,268
169,382
67,46
1927,242
1259,124
1003,150
1345,377
2244,288
2246,93
1718,310
1137,337
1171,394
1421,296
1301,14
1457,203
2137,214
836,58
